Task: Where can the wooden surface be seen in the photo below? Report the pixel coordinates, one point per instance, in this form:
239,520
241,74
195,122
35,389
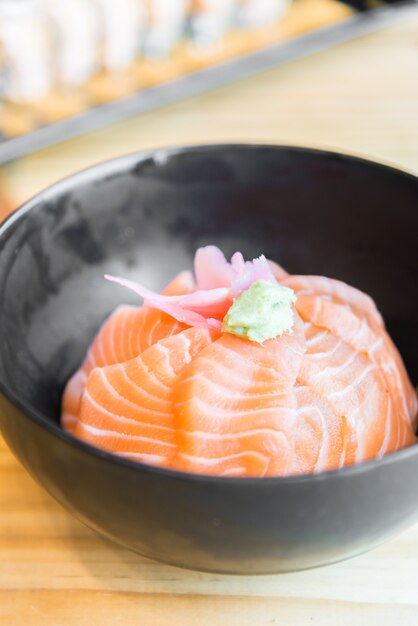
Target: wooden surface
361,97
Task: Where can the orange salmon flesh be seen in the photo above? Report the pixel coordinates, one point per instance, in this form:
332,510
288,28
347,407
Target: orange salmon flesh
332,393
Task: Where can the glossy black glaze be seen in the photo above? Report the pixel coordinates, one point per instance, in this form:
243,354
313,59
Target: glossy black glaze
143,216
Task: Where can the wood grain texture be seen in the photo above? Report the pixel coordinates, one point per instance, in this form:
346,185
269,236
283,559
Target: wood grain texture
54,570
361,97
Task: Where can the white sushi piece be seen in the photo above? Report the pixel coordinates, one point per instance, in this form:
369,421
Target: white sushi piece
210,19
122,22
2,72
256,13
76,39
27,51
165,26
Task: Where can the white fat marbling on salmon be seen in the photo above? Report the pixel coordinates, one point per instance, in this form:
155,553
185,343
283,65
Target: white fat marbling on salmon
331,393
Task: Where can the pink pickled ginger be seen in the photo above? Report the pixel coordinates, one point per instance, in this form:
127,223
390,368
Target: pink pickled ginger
217,284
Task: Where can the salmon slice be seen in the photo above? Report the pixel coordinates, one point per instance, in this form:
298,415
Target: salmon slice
278,272
378,347
180,285
360,303
71,400
355,390
127,408
235,412
126,333
320,434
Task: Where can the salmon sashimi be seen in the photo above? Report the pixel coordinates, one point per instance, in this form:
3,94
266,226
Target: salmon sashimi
330,289
355,391
378,347
235,410
244,370
125,334
128,408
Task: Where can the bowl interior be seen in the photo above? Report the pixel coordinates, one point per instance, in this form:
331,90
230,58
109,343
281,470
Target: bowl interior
144,216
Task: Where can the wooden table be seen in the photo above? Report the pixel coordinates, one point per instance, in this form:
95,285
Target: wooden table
361,97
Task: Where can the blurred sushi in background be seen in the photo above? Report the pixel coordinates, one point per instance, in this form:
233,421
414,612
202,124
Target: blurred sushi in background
73,59
209,20
27,72
121,24
256,13
59,58
75,33
164,26
27,51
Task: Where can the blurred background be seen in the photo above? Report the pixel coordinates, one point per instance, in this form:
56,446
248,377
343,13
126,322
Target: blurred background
82,81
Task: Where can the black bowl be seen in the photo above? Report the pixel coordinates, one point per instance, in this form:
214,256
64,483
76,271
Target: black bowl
144,216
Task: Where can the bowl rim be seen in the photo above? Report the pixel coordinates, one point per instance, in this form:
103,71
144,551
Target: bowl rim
161,155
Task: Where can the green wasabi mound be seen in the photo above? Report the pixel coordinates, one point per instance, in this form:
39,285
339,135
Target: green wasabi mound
261,312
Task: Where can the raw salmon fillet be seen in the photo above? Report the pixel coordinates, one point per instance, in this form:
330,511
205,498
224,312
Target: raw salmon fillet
125,334
127,407
169,388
